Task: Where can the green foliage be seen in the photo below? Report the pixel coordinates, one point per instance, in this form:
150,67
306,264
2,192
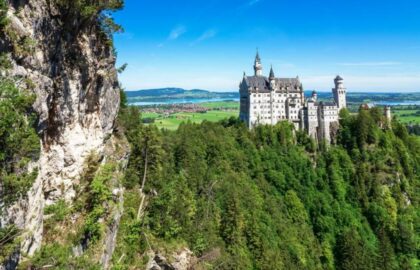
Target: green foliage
99,195
88,11
353,253
56,256
5,63
19,143
123,100
267,199
175,208
3,14
120,70
79,225
89,8
9,241
58,211
131,242
146,144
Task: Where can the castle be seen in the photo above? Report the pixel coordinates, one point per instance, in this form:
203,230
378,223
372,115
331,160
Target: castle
269,100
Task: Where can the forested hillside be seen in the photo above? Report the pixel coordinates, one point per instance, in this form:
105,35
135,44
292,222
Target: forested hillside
270,198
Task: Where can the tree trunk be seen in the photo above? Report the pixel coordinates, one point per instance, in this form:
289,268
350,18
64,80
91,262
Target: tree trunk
143,196
145,170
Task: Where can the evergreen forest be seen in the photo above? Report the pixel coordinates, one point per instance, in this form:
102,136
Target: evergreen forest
271,198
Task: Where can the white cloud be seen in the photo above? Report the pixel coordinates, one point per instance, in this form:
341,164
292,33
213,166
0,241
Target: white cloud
177,32
206,35
370,64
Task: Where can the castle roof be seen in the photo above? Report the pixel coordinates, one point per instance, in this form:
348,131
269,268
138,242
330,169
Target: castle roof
272,74
262,83
257,57
327,103
367,106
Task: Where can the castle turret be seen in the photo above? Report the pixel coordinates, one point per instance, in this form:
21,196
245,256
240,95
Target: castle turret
387,113
314,96
257,65
339,93
272,79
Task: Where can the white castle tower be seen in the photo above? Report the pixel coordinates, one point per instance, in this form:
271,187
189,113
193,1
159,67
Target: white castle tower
257,65
387,113
339,93
314,96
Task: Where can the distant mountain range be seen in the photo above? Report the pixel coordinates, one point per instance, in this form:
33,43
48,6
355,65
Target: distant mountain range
174,95
174,92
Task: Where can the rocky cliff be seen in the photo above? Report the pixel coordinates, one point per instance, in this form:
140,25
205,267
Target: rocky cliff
67,61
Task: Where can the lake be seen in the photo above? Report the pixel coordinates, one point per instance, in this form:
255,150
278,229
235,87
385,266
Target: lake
397,103
181,101
169,101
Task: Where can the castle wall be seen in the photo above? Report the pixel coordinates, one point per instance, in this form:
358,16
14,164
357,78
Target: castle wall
271,108
327,114
311,119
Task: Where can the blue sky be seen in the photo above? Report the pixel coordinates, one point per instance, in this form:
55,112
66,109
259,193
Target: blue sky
374,45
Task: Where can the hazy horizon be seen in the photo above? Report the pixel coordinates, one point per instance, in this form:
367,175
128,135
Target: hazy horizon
231,91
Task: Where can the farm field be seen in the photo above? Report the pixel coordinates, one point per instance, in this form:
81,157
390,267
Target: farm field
407,116
220,110
173,121
231,105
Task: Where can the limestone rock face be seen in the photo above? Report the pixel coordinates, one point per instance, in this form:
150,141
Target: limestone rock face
181,260
71,69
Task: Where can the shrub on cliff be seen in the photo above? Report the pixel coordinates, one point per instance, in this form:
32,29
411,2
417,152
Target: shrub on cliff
19,142
88,11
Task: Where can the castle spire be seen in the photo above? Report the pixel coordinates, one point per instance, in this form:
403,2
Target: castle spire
271,73
257,65
272,79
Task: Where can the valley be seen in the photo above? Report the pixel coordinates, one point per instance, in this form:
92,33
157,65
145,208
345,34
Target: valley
158,105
